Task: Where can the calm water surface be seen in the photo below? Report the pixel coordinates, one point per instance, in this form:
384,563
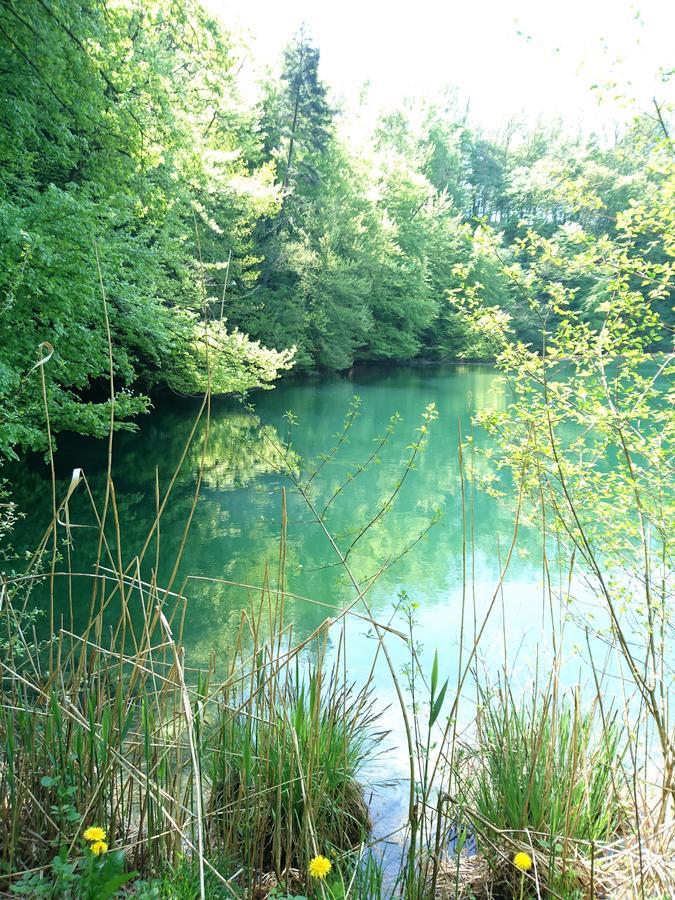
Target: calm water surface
236,524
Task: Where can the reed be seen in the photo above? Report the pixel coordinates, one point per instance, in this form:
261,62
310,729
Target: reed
259,766
542,775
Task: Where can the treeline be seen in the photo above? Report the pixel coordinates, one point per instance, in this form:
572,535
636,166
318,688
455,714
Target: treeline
221,242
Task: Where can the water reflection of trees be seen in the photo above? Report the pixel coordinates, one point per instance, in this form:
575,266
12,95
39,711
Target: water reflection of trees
236,453
235,530
229,446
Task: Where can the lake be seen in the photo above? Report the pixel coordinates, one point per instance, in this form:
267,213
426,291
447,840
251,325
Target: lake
416,545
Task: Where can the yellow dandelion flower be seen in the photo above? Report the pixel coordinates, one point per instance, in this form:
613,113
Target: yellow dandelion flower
99,847
319,867
522,861
94,833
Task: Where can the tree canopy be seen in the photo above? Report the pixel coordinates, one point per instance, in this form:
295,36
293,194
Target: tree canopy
156,222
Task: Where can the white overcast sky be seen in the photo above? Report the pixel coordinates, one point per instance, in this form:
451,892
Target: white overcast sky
509,57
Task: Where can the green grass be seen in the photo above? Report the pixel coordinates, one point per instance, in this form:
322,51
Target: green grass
285,770
543,778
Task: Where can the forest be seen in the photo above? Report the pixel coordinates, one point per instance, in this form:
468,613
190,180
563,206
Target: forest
131,163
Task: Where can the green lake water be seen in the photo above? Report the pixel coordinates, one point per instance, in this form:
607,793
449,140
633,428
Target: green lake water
236,524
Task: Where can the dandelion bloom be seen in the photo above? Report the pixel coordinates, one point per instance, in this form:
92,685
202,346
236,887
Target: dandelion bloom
319,867
94,834
99,847
522,861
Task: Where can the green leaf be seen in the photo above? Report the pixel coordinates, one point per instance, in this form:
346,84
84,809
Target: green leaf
436,707
113,884
434,677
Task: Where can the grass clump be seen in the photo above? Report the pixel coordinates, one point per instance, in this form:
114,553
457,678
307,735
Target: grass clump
541,783
285,773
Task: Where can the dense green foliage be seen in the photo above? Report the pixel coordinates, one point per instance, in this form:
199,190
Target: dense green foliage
225,240
120,136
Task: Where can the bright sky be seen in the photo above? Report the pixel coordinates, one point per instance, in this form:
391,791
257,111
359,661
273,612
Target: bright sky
509,57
